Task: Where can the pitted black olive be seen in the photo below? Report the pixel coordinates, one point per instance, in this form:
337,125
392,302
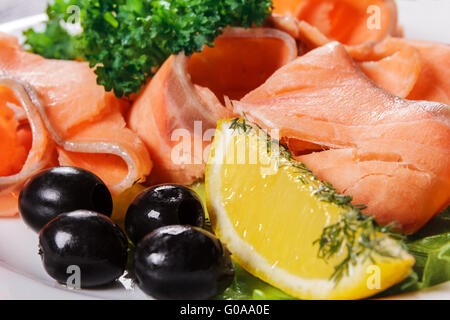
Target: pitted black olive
85,242
182,262
60,190
161,206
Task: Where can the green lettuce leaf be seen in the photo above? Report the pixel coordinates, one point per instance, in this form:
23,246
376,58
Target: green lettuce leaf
431,249
247,287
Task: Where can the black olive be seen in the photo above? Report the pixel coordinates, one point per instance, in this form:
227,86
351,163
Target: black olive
161,206
60,190
83,241
182,262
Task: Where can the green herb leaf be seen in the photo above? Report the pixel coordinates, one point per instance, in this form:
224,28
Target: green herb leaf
431,249
247,287
55,42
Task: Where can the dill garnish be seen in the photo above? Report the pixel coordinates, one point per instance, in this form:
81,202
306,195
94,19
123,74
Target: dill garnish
361,237
356,236
240,124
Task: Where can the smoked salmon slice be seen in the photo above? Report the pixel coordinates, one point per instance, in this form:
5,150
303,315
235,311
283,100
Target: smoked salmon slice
412,69
74,113
392,64
177,112
434,79
390,154
109,149
13,152
421,68
350,22
20,158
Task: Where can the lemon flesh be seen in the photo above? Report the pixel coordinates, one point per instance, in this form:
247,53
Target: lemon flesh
264,207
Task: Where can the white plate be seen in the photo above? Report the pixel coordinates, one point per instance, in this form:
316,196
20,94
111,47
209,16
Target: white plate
21,273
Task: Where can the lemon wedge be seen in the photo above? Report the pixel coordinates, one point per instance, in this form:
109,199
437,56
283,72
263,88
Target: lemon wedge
288,228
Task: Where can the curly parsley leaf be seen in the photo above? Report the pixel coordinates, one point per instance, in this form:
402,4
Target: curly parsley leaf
55,41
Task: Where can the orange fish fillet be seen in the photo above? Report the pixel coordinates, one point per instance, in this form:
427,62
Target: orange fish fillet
347,21
393,65
388,153
13,153
73,112
434,79
177,112
25,150
413,69
421,68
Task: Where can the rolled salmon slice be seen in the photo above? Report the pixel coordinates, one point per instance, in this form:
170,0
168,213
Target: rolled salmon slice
13,153
421,68
68,89
350,22
388,153
19,158
177,112
109,149
84,121
412,69
434,79
392,64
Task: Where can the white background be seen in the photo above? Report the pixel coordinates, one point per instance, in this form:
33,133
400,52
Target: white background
425,19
